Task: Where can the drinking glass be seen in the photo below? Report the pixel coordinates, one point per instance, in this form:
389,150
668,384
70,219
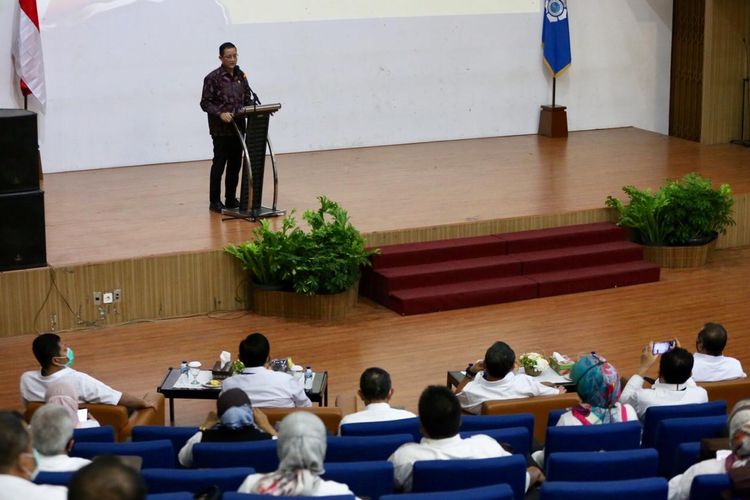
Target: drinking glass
194,369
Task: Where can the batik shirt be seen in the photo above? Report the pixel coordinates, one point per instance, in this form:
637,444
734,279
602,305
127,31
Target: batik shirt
225,92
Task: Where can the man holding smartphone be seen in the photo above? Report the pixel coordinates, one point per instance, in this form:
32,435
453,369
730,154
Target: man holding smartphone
675,368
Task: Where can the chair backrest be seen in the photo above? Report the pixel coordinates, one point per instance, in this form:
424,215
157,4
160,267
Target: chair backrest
366,479
492,492
653,488
554,417
602,465
364,448
673,431
252,496
471,423
54,478
448,475
538,406
155,454
518,438
194,480
604,437
656,414
260,455
330,416
177,435
103,434
710,487
180,495
687,454
729,391
403,426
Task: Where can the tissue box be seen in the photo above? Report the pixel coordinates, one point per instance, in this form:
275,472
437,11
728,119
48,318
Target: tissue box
561,364
220,371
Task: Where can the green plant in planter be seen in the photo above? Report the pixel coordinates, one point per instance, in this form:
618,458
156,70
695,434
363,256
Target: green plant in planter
644,214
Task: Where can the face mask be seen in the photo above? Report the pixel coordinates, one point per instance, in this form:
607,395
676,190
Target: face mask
70,356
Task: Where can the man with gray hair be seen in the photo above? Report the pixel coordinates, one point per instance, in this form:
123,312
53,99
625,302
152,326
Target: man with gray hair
52,434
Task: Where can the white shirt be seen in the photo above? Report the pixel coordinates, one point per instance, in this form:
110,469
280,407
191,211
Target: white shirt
679,486
13,488
707,368
90,390
324,488
660,394
269,389
477,446
61,463
376,412
512,386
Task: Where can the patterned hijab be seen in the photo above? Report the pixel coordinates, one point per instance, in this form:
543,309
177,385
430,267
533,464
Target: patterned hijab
63,394
739,433
599,388
302,450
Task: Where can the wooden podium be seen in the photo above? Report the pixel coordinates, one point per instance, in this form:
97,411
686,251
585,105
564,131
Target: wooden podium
553,121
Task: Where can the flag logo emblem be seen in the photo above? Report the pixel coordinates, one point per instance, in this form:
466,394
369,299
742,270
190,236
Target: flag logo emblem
556,10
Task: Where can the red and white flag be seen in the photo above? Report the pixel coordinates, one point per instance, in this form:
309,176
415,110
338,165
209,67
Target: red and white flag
27,52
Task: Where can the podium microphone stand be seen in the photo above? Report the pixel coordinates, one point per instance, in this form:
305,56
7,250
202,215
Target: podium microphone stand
254,142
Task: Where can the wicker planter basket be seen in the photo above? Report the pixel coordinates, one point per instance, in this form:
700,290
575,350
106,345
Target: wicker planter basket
293,305
679,257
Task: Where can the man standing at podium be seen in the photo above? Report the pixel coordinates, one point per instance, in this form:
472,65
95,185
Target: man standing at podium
225,93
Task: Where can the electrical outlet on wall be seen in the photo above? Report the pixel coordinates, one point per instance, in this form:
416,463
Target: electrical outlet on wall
117,294
107,297
97,298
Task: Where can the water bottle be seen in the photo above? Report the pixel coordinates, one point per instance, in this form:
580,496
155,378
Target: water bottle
308,377
183,367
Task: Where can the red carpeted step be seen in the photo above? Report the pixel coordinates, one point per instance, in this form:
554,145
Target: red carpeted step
595,278
575,257
437,251
556,237
459,295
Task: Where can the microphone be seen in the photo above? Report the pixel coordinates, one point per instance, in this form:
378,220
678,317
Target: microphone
253,95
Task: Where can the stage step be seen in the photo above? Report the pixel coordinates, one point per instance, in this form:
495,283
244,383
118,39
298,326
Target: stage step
579,256
437,251
585,279
564,236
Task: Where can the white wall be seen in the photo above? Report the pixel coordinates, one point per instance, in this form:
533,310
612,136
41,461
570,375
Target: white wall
123,86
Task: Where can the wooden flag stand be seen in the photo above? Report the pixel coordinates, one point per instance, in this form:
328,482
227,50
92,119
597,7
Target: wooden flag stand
553,120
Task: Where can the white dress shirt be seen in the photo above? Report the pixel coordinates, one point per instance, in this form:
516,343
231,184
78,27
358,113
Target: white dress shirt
660,394
512,386
90,390
324,488
376,412
61,463
679,486
269,389
707,368
477,446
14,487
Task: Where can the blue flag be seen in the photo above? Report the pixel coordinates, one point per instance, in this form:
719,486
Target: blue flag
556,36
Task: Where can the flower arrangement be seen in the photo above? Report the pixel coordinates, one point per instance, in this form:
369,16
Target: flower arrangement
533,363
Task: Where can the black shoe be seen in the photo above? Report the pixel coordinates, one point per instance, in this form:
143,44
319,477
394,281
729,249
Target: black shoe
216,207
232,203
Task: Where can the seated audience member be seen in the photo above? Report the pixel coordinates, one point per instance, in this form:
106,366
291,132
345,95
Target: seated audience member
55,359
265,388
18,463
52,435
492,378
710,365
65,396
376,392
237,420
737,456
440,418
107,478
675,367
302,450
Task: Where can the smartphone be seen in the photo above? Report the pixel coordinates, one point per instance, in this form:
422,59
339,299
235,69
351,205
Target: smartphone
662,347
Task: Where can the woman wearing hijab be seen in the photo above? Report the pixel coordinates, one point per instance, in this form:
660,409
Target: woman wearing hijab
301,449
64,394
235,420
738,454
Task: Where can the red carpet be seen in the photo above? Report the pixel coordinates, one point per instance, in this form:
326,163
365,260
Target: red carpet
451,274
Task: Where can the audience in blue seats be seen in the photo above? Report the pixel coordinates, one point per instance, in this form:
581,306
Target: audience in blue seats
737,456
492,378
440,418
52,435
235,420
107,478
64,395
376,392
301,449
710,364
266,388
673,387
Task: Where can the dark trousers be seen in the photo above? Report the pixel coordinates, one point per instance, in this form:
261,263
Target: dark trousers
227,153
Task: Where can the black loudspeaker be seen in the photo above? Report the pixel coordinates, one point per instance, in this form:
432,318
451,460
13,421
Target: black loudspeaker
23,242
19,151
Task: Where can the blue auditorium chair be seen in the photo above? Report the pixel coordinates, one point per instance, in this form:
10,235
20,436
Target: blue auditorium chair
403,426
554,417
177,435
251,496
654,488
656,414
260,455
605,437
517,437
671,432
103,434
155,454
471,423
710,487
687,454
603,465
54,478
492,492
194,480
365,479
364,448
449,475
180,495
